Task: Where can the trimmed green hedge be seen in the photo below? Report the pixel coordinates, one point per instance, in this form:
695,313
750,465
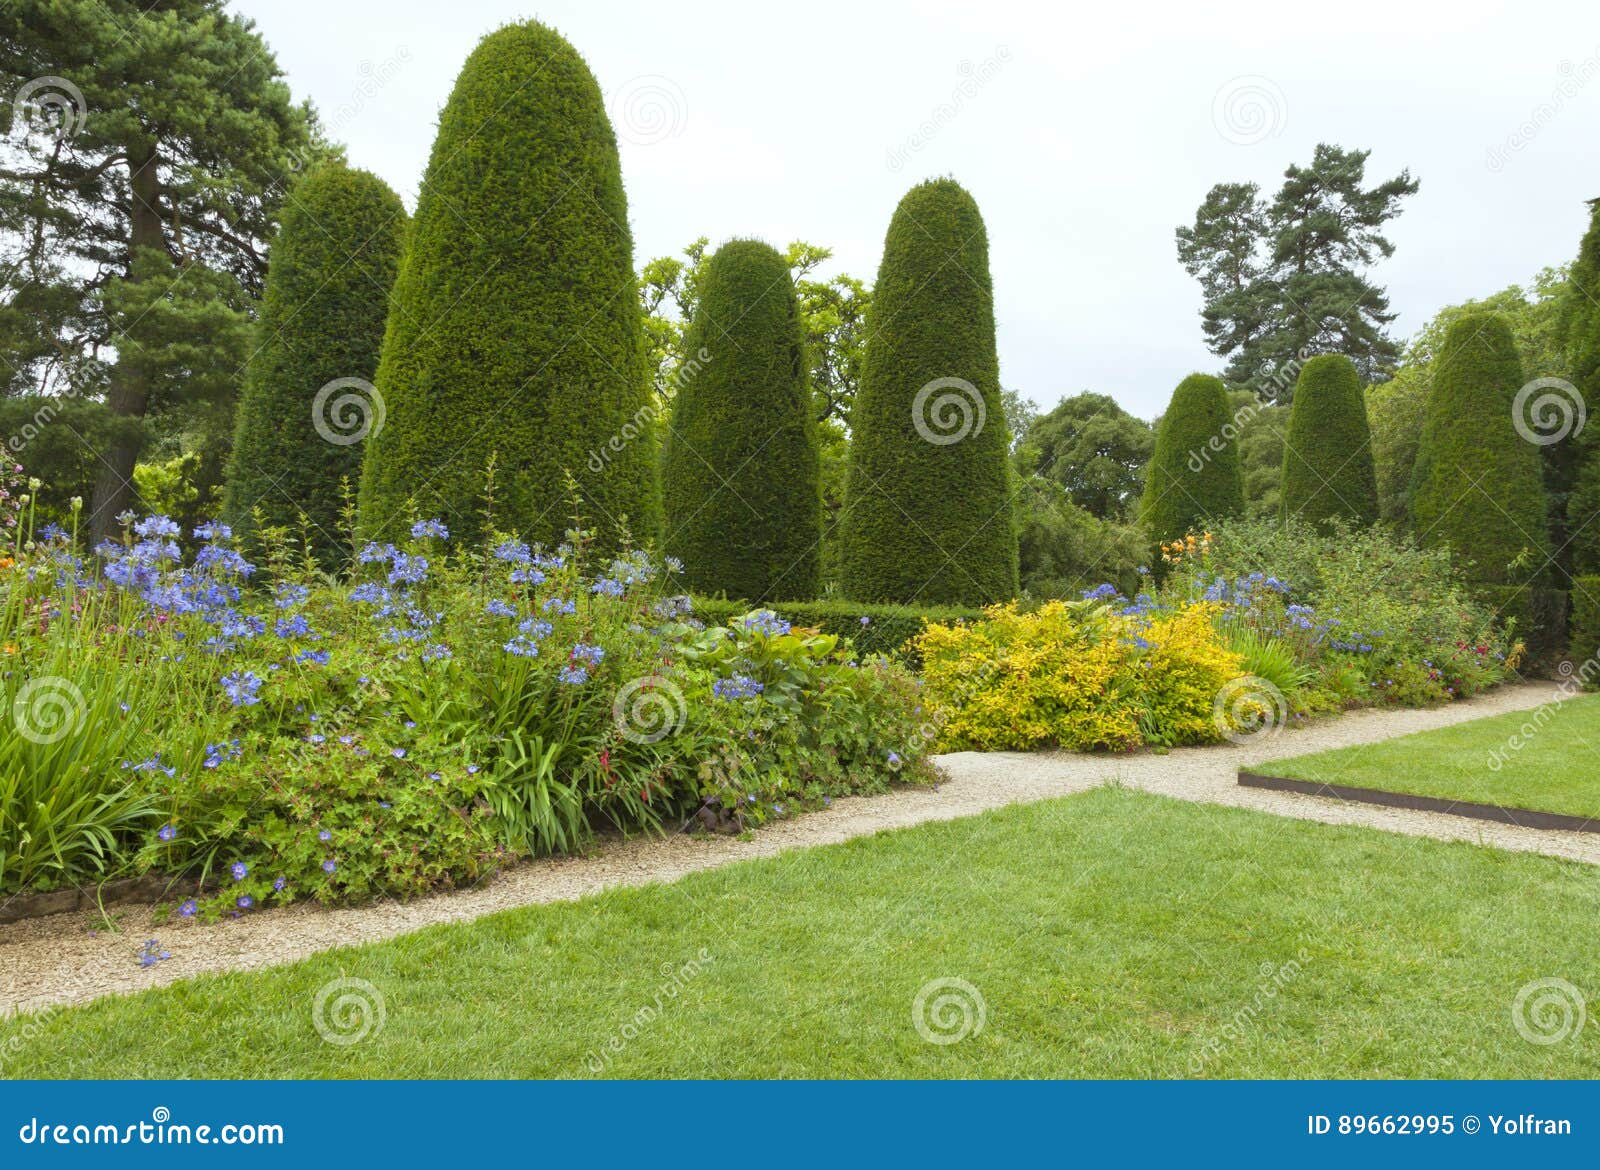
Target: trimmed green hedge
1479,484
516,331
1194,474
927,508
298,434
887,630
1540,613
1585,641
741,471
1580,337
1328,471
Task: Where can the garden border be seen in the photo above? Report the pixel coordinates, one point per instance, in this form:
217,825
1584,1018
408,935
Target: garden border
149,888
1526,818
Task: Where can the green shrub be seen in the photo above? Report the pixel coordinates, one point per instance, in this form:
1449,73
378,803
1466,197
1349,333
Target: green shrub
297,434
886,629
1580,336
928,518
1065,549
515,331
1479,485
1193,479
1327,459
741,469
1539,614
1585,651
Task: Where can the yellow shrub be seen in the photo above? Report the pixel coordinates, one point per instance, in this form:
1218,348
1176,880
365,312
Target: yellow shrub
1075,676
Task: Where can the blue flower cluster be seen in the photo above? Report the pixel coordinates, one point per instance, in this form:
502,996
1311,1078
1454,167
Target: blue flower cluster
740,686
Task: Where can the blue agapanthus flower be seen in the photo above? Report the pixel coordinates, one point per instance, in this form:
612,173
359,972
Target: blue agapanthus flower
574,675
739,686
242,687
497,608
430,528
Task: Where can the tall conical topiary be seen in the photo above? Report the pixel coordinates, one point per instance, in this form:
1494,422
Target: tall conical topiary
515,332
1580,328
1478,483
1194,476
1328,469
307,403
741,472
927,513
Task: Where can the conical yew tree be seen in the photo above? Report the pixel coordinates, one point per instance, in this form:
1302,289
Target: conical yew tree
927,511
515,333
1194,475
307,402
1328,469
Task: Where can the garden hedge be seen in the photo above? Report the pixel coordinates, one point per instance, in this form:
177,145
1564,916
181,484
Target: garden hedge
516,331
886,631
1580,329
333,265
1585,641
741,473
927,512
1479,485
1194,475
1541,615
1328,469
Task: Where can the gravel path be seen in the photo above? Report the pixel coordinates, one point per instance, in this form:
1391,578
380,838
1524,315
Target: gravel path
70,958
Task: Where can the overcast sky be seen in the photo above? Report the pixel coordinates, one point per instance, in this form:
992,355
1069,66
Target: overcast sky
1086,134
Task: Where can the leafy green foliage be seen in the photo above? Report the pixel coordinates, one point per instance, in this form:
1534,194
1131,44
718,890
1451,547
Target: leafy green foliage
1579,336
322,319
1327,460
741,471
1285,280
515,332
1065,549
1094,449
871,629
1479,487
1586,629
928,512
1193,478
139,228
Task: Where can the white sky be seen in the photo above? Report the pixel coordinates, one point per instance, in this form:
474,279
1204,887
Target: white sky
1092,137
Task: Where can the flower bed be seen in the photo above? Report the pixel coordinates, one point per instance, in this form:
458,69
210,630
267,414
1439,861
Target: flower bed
411,728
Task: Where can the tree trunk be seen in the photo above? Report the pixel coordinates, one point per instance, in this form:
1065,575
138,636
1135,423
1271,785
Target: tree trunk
130,380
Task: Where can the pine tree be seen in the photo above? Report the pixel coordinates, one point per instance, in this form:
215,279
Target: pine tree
299,429
515,332
743,498
137,228
928,517
1193,478
1328,471
1479,486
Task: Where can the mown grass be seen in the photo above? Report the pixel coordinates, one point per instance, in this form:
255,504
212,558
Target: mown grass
1547,760
1110,934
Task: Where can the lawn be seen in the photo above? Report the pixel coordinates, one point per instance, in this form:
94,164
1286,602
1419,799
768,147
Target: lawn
1547,760
1109,934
